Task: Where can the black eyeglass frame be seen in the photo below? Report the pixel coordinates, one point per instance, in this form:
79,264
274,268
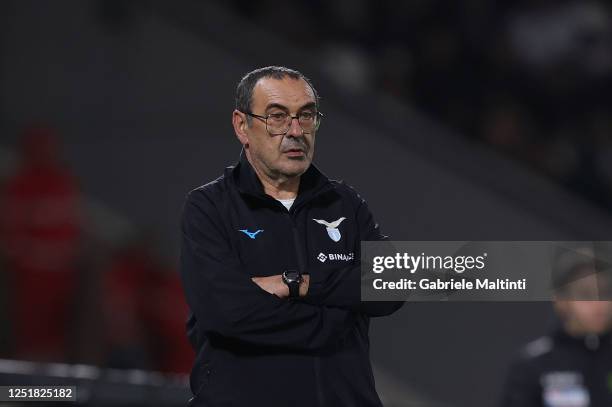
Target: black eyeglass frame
318,117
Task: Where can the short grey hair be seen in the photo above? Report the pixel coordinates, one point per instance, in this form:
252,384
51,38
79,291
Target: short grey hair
244,90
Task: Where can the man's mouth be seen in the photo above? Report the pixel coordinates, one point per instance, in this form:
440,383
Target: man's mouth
295,152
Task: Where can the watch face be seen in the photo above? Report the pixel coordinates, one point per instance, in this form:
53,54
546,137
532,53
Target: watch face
291,276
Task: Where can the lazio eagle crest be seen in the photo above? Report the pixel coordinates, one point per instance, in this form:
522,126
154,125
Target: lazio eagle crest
332,228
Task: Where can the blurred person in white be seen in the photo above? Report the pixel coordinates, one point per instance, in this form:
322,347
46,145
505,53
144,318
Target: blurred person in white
571,367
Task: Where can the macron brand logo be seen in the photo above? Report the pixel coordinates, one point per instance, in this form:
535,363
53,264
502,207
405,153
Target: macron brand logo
322,257
252,235
332,228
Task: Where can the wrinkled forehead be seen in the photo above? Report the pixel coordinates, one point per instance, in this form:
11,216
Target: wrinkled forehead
288,92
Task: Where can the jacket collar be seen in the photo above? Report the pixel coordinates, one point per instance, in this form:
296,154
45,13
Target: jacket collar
590,342
312,182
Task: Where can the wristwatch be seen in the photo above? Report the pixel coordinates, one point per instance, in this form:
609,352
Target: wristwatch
293,278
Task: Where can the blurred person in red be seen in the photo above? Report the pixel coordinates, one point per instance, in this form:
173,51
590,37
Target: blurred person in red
40,224
144,312
166,314
122,295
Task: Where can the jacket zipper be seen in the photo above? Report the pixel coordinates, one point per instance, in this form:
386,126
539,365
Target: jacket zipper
302,267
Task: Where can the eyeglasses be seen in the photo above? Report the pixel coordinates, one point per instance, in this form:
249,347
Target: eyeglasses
278,124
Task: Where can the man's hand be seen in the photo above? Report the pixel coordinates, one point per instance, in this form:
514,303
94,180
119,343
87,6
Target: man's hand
275,285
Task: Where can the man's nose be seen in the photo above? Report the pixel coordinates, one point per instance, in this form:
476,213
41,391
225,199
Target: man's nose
295,129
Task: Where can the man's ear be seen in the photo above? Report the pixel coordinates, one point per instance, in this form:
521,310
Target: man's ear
239,121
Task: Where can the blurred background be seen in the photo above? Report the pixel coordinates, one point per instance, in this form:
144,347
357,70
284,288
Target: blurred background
471,120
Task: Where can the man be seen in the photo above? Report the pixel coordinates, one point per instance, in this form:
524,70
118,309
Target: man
40,234
573,366
270,264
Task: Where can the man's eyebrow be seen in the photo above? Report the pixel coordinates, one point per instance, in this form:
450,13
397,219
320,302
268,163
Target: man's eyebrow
276,105
309,105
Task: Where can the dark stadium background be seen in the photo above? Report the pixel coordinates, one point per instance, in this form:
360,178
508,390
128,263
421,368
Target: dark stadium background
471,120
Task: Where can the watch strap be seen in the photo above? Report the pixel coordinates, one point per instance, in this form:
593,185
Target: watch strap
294,289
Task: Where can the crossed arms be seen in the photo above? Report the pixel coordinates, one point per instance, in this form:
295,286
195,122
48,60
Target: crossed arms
227,302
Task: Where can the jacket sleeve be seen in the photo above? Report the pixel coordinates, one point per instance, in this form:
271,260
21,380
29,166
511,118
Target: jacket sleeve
342,288
226,302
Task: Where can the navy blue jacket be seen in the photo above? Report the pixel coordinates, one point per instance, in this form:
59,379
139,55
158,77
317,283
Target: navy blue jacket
561,370
253,348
